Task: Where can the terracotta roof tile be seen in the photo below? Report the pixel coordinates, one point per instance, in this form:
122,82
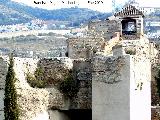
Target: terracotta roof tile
129,11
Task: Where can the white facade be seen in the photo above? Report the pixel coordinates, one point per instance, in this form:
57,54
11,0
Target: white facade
140,88
128,99
112,101
148,10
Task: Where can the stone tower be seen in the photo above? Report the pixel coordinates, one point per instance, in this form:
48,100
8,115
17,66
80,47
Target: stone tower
121,83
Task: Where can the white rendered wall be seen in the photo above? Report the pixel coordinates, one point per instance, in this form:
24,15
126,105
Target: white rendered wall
126,99
140,89
112,101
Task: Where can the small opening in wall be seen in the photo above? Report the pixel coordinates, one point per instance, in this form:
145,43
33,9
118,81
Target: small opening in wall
129,26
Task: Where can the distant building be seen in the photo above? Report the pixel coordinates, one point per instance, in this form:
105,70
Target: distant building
148,10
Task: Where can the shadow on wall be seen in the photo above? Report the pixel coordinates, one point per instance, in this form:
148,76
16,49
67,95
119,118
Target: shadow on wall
79,114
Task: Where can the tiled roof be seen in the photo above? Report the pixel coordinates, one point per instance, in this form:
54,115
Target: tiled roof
129,11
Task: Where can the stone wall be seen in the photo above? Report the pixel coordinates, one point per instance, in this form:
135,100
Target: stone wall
108,27
110,83
111,43
82,70
124,83
142,48
38,103
55,70
3,73
84,47
155,113
34,103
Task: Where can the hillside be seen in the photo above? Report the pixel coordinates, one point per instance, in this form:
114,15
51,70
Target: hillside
74,15
10,16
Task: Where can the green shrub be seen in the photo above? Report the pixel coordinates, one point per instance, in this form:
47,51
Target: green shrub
11,109
36,79
68,86
131,52
39,73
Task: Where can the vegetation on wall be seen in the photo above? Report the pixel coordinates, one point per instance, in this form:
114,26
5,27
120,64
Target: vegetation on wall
66,83
11,109
69,86
131,52
36,79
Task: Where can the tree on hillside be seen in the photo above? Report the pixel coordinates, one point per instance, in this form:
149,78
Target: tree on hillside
11,111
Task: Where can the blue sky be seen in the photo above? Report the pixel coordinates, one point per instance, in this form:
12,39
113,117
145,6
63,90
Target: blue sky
104,6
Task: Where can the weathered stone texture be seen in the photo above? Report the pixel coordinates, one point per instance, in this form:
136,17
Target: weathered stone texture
155,113
110,87
108,27
142,47
84,47
84,95
3,72
82,71
55,70
107,69
33,102
122,76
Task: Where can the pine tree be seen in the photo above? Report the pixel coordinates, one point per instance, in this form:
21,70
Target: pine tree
11,111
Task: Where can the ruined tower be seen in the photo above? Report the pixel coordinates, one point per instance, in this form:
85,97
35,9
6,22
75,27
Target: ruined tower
121,82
